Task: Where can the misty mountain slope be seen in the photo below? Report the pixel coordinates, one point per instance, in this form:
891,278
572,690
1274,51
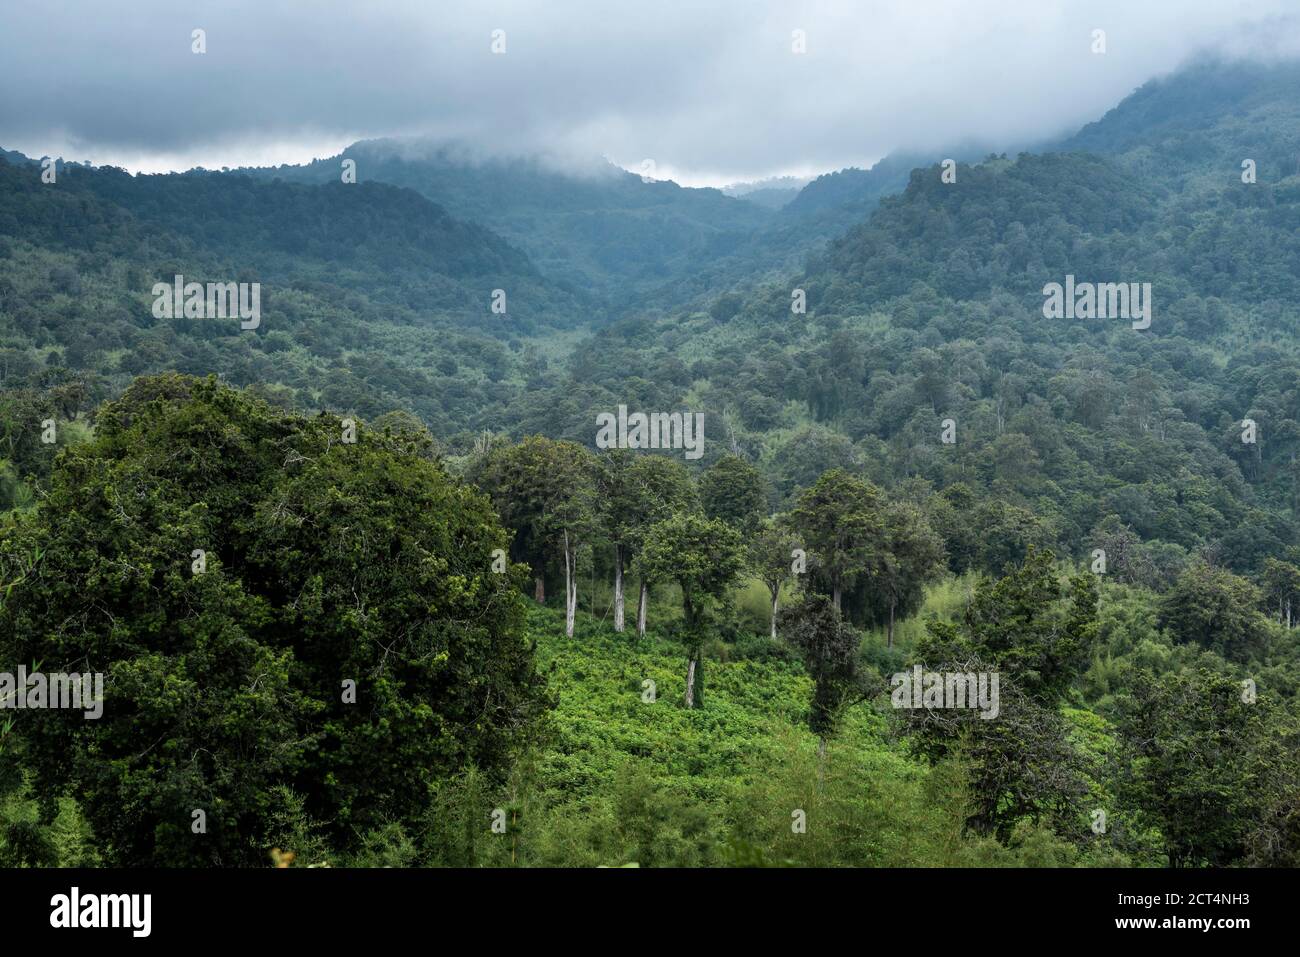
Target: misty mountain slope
932,310
774,192
820,212
855,189
823,211
637,244
1193,127
1016,226
597,227
1198,124
1002,224
929,308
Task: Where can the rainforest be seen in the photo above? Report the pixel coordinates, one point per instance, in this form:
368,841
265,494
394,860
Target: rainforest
371,573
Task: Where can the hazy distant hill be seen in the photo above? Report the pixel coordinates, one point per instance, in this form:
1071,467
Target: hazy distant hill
600,228
774,192
628,239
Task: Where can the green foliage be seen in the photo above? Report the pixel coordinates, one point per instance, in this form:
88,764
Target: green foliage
1281,589
984,534
1027,624
544,491
1035,636
604,230
733,491
841,524
627,781
1207,766
702,556
912,556
771,558
326,562
829,647
1215,609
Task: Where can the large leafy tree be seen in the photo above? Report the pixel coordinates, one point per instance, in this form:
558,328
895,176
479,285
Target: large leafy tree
704,557
1206,764
1036,634
1213,608
983,533
913,557
515,478
661,487
273,608
841,524
632,493
733,491
829,647
1022,764
1126,561
545,490
1281,586
1028,623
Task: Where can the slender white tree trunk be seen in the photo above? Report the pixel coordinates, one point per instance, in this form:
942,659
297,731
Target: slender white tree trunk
690,684
570,586
640,610
618,588
776,599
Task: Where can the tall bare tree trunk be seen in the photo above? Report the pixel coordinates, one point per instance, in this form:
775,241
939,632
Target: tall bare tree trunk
618,588
640,609
570,587
690,683
835,597
539,588
776,599
1288,614
890,642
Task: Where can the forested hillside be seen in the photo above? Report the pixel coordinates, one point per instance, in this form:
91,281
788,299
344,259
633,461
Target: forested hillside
367,586
374,299
599,228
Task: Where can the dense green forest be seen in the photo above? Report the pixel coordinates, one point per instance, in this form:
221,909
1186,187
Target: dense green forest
366,591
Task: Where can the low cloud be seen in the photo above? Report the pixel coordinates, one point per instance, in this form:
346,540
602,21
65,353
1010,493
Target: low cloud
711,95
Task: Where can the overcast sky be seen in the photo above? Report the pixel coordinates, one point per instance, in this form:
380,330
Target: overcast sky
710,91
